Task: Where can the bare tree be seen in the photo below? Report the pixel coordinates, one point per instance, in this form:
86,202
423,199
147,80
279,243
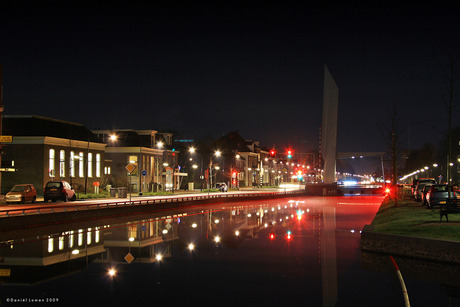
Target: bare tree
392,134
449,96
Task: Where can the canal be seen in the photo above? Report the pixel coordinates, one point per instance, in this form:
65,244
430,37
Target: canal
279,252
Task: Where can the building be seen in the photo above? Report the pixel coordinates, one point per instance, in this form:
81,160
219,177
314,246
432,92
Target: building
45,149
147,152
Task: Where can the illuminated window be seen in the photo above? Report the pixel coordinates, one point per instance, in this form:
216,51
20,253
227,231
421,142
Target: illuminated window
52,170
72,164
90,165
61,243
97,235
62,163
81,169
133,160
71,239
88,236
132,231
80,237
98,165
50,245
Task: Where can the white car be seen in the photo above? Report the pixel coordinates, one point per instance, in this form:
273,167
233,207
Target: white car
222,186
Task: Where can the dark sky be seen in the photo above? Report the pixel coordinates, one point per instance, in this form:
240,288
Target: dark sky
212,69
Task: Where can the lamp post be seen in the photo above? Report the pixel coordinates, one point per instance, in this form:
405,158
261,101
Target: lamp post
217,153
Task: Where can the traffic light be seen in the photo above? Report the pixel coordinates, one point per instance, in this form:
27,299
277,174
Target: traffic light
289,154
272,153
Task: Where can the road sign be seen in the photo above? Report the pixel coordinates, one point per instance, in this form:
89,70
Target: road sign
6,138
5,272
129,258
130,167
144,173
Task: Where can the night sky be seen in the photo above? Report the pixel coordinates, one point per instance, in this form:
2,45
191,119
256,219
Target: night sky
205,69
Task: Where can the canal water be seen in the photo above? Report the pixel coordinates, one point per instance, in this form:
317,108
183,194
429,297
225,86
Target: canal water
283,252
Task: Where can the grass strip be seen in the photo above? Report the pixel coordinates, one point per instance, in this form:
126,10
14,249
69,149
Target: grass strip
412,219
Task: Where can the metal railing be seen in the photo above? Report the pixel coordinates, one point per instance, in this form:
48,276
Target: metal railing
47,209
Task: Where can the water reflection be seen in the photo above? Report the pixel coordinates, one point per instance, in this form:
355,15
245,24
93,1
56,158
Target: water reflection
290,251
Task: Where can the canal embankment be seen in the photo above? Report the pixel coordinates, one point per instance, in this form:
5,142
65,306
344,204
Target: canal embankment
38,216
406,228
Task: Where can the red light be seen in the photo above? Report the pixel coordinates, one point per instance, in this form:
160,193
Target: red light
289,236
272,152
387,190
272,236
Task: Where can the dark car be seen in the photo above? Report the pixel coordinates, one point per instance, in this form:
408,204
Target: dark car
440,194
20,193
58,190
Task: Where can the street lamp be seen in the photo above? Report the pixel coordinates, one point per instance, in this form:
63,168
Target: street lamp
217,153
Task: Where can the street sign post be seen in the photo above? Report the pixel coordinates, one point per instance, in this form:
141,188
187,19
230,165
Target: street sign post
130,168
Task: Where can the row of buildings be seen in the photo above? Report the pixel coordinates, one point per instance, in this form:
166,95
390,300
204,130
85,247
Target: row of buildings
41,149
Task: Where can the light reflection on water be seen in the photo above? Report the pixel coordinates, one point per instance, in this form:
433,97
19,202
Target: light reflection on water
265,253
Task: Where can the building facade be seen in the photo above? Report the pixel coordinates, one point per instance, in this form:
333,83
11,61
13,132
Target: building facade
45,149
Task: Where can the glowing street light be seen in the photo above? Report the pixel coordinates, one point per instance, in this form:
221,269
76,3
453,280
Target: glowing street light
112,272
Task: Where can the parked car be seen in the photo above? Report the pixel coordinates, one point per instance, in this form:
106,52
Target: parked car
58,190
419,190
425,190
222,186
21,193
440,194
418,181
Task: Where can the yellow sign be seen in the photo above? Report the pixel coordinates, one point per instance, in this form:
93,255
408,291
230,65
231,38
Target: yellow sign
129,258
6,138
130,167
5,272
